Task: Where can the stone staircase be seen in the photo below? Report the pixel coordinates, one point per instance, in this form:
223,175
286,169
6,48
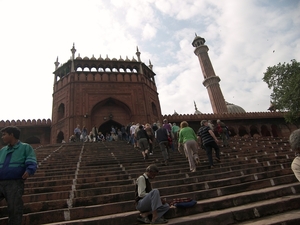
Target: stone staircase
93,183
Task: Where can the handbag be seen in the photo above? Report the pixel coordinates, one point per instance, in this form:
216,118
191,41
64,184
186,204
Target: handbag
183,202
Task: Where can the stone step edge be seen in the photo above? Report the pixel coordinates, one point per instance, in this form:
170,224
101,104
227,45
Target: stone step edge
282,218
224,214
199,202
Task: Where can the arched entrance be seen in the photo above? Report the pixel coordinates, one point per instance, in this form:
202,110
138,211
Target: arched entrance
242,131
275,131
106,127
110,112
253,131
265,131
60,137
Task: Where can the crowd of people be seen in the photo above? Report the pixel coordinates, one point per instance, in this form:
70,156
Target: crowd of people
95,135
149,203
166,137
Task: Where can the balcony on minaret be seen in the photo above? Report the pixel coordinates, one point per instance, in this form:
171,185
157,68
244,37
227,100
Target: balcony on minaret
198,41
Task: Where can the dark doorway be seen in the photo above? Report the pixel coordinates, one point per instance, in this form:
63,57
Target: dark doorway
106,127
59,137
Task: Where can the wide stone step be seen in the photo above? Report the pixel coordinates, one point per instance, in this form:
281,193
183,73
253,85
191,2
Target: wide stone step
287,218
213,203
221,217
217,203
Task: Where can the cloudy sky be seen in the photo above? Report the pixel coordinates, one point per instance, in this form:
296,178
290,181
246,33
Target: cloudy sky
244,38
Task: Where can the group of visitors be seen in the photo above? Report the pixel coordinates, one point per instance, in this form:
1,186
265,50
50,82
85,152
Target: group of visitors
167,136
146,137
148,200
96,136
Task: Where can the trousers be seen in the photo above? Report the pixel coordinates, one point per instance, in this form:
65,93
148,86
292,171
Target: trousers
152,202
12,191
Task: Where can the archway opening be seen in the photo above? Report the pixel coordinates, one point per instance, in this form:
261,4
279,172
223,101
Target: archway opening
106,127
110,112
60,137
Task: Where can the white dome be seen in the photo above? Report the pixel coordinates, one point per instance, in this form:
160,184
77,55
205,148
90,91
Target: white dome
234,108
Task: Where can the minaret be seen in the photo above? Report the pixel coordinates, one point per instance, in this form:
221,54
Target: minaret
211,81
150,65
139,60
73,50
138,54
56,66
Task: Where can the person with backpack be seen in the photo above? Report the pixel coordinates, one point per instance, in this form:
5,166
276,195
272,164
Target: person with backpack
222,131
147,200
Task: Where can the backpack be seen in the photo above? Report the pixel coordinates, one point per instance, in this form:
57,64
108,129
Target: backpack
220,129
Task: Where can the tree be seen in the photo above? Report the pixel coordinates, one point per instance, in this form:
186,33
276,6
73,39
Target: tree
284,80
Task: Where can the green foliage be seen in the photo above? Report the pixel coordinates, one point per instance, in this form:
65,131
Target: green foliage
284,80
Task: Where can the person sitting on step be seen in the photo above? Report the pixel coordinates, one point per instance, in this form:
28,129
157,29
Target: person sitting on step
148,200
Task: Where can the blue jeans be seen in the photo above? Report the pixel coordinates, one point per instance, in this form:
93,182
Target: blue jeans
208,148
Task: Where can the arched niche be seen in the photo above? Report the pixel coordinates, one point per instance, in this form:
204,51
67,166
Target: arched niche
154,109
61,111
265,131
110,109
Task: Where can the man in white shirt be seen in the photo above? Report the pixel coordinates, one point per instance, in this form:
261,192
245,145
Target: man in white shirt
148,200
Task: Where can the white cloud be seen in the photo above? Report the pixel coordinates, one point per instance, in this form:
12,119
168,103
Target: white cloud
241,36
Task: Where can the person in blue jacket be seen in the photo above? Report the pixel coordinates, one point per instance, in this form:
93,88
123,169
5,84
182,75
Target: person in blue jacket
17,163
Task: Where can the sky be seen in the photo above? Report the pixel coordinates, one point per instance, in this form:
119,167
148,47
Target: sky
244,38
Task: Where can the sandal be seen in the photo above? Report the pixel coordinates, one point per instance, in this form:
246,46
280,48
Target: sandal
144,219
160,221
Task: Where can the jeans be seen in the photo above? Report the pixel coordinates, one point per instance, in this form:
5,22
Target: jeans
208,148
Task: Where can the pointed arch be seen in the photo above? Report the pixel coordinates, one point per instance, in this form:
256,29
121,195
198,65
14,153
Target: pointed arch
110,109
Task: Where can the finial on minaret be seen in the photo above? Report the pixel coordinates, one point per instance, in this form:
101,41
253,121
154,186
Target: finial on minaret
138,54
195,105
56,63
150,65
73,50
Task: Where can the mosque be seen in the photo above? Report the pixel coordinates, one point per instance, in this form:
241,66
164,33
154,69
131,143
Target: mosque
106,92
